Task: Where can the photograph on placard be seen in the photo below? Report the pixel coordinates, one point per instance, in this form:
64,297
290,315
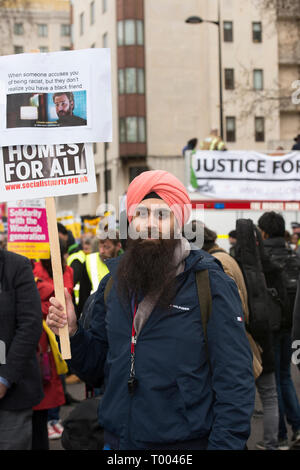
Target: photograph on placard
50,110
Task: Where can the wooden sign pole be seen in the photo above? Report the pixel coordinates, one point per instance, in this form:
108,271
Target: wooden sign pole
57,273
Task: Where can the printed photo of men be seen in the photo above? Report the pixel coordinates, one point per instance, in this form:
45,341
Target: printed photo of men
64,105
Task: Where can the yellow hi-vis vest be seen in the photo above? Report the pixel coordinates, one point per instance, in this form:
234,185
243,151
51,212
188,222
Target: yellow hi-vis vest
96,270
80,256
212,143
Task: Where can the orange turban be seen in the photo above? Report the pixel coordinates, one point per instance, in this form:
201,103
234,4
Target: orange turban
166,186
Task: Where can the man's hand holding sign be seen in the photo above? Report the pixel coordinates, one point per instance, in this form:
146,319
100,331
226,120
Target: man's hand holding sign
60,317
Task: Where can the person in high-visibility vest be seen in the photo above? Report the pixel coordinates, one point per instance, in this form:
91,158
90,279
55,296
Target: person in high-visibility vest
95,262
213,142
81,281
90,268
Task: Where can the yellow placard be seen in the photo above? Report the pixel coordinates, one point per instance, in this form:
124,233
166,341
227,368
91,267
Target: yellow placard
91,225
30,250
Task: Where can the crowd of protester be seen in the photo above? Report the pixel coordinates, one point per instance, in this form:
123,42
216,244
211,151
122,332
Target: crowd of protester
202,394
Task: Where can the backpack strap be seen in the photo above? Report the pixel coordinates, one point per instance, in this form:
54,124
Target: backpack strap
216,250
205,302
204,295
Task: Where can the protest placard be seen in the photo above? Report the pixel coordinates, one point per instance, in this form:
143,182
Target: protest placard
246,175
39,171
45,171
71,222
90,225
45,98
27,230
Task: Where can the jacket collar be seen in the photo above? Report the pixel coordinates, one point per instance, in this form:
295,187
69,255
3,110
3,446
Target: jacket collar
277,241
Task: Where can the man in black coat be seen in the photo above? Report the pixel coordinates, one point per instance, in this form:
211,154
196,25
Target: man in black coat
20,331
272,226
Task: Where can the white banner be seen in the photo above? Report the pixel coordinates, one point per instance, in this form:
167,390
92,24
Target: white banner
57,97
246,175
39,171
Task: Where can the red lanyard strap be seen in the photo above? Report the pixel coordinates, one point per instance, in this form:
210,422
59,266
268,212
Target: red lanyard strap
132,382
133,332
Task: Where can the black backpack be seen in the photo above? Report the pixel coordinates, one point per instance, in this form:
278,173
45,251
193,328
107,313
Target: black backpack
265,305
289,263
287,266
81,428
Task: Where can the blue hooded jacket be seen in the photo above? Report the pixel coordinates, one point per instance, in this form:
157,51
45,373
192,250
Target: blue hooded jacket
178,397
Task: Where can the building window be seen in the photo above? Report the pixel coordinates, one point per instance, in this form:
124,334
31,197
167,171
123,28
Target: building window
42,30
228,31
94,147
18,29
259,129
65,48
258,79
230,129
105,40
129,26
121,79
131,80
92,12
65,30
44,49
81,23
132,129
120,33
104,6
141,81
257,32
18,49
140,32
122,130
141,129
229,79
130,33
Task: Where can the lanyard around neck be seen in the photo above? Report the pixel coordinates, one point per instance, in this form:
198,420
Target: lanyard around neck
132,382
133,332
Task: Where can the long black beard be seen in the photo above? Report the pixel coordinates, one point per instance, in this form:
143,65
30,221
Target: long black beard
147,268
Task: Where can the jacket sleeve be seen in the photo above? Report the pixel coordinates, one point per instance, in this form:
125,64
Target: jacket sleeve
231,367
28,321
89,347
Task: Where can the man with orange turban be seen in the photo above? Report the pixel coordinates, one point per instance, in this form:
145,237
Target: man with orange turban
167,335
